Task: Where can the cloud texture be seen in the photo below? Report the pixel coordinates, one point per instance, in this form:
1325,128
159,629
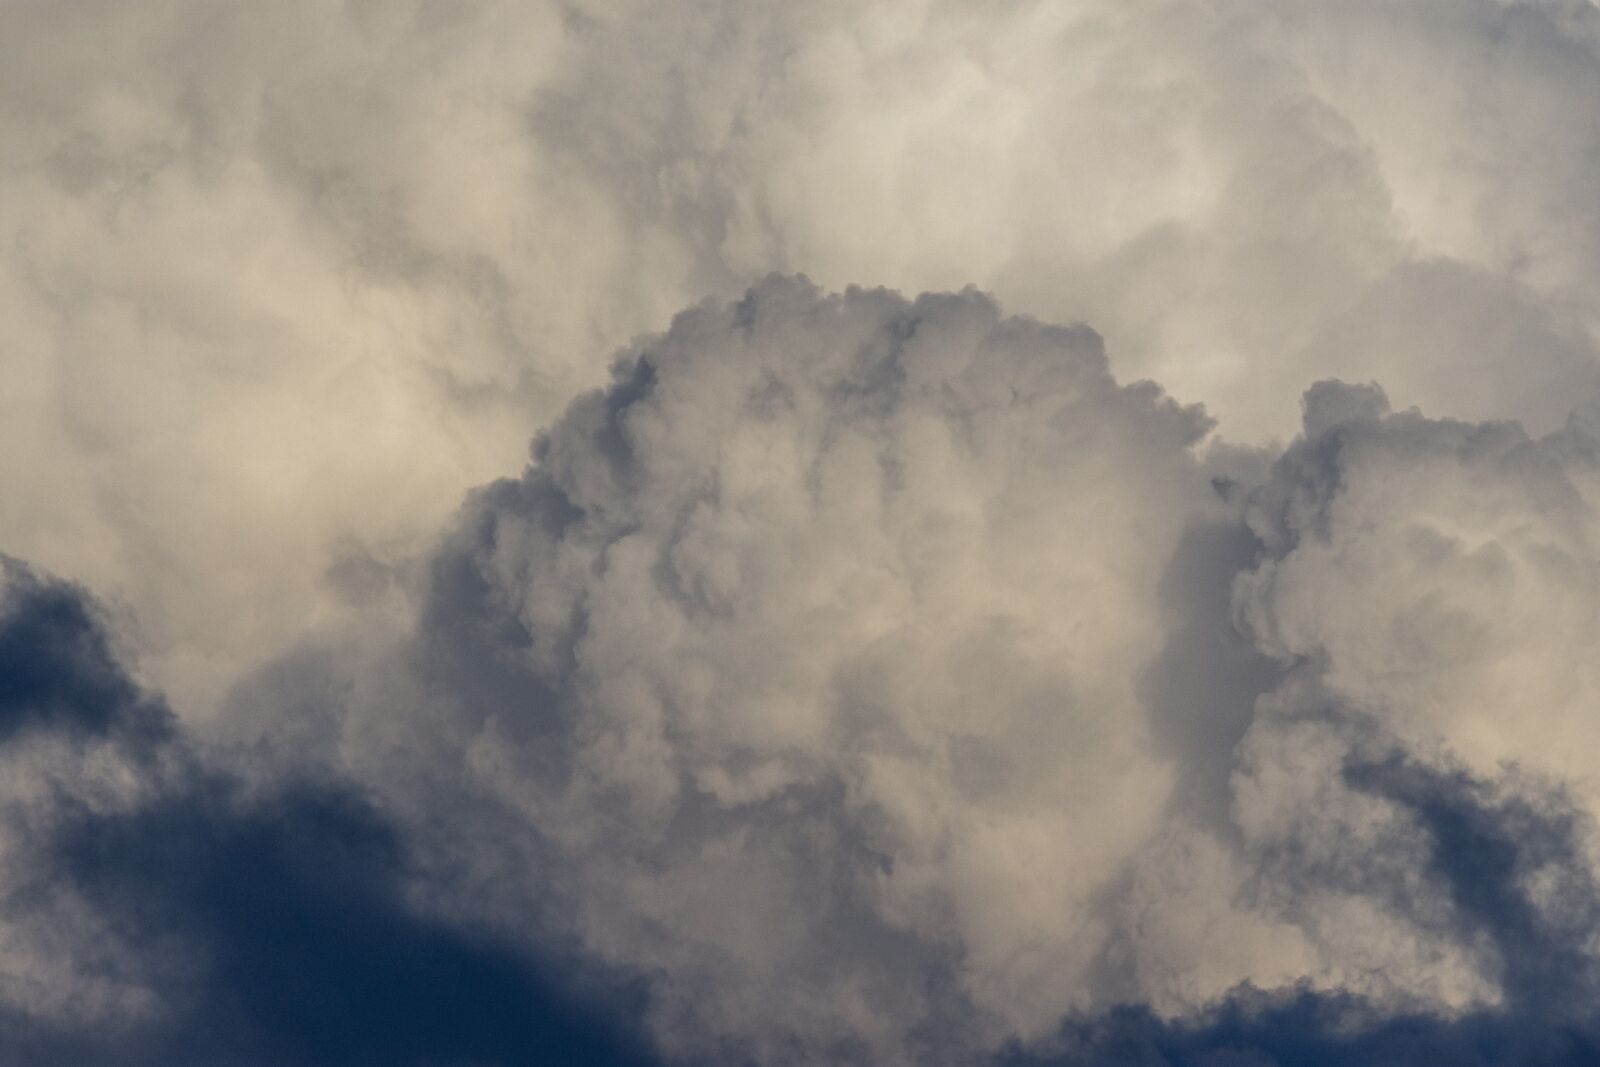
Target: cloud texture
160,910
815,655
849,676
884,674
282,282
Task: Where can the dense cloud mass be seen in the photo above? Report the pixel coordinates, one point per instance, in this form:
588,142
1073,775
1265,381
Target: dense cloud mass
281,281
1167,639
158,910
891,681
811,652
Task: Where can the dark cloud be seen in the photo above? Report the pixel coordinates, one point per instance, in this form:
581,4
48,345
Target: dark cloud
1489,849
291,908
752,654
275,923
57,668
1202,688
1311,1029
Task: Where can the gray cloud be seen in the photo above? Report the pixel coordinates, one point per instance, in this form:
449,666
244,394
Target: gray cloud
780,627
892,683
878,680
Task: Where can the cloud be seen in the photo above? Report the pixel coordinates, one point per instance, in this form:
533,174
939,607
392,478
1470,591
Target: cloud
863,679
281,283
1484,848
868,678
157,909
891,683
268,314
777,628
1437,573
58,672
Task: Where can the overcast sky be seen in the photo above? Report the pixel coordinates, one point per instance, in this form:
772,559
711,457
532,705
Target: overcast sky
728,532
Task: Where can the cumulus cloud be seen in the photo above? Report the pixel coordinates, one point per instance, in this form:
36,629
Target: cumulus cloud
872,680
282,282
892,683
1440,575
865,677
830,611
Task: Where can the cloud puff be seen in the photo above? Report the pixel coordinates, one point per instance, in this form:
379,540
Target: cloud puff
1440,575
822,625
890,681
1423,586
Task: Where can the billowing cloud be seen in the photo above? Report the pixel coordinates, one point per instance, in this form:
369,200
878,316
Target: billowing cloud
1439,575
854,676
799,637
892,683
281,282
870,680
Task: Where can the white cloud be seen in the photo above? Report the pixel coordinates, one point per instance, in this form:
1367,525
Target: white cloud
1443,577
280,282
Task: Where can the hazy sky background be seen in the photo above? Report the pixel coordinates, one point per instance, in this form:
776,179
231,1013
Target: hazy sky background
1060,531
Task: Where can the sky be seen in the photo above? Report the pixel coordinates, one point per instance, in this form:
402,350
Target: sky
1000,533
